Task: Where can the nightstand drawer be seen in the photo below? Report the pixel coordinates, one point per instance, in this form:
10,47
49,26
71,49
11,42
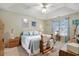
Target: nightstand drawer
13,41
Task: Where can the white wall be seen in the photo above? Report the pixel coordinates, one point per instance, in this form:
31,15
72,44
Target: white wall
13,20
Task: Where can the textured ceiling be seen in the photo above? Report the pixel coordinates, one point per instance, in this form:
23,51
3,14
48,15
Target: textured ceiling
34,9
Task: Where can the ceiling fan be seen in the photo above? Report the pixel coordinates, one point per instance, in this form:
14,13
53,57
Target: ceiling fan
45,6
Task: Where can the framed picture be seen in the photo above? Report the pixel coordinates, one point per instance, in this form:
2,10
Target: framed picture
33,23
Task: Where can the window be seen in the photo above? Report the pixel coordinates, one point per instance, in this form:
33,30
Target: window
55,25
61,26
64,27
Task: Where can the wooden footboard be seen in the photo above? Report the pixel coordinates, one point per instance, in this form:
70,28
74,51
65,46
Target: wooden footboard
43,45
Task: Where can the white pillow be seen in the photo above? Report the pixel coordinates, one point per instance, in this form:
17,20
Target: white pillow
30,33
26,33
36,33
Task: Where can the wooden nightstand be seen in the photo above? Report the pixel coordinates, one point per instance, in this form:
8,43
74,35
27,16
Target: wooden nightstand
13,42
1,48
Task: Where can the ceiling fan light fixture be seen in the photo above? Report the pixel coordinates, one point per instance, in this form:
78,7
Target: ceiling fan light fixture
44,10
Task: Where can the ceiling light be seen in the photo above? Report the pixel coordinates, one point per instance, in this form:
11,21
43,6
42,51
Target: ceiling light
44,10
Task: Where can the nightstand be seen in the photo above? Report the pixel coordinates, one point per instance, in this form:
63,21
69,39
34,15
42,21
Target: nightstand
13,42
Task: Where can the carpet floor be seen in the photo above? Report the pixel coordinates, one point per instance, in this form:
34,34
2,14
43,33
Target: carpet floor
19,51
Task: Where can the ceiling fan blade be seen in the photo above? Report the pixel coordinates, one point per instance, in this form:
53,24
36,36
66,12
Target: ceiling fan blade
34,5
50,5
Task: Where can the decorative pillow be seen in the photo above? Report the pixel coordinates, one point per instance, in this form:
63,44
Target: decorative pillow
26,33
31,33
36,33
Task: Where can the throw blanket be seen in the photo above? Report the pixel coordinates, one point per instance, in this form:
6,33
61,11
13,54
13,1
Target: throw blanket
31,42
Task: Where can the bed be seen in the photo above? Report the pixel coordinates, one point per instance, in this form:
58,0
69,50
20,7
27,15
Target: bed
31,42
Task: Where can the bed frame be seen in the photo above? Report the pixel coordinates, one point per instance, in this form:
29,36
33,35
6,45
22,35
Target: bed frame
43,46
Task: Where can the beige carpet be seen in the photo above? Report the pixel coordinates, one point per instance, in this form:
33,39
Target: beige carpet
16,51
19,51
